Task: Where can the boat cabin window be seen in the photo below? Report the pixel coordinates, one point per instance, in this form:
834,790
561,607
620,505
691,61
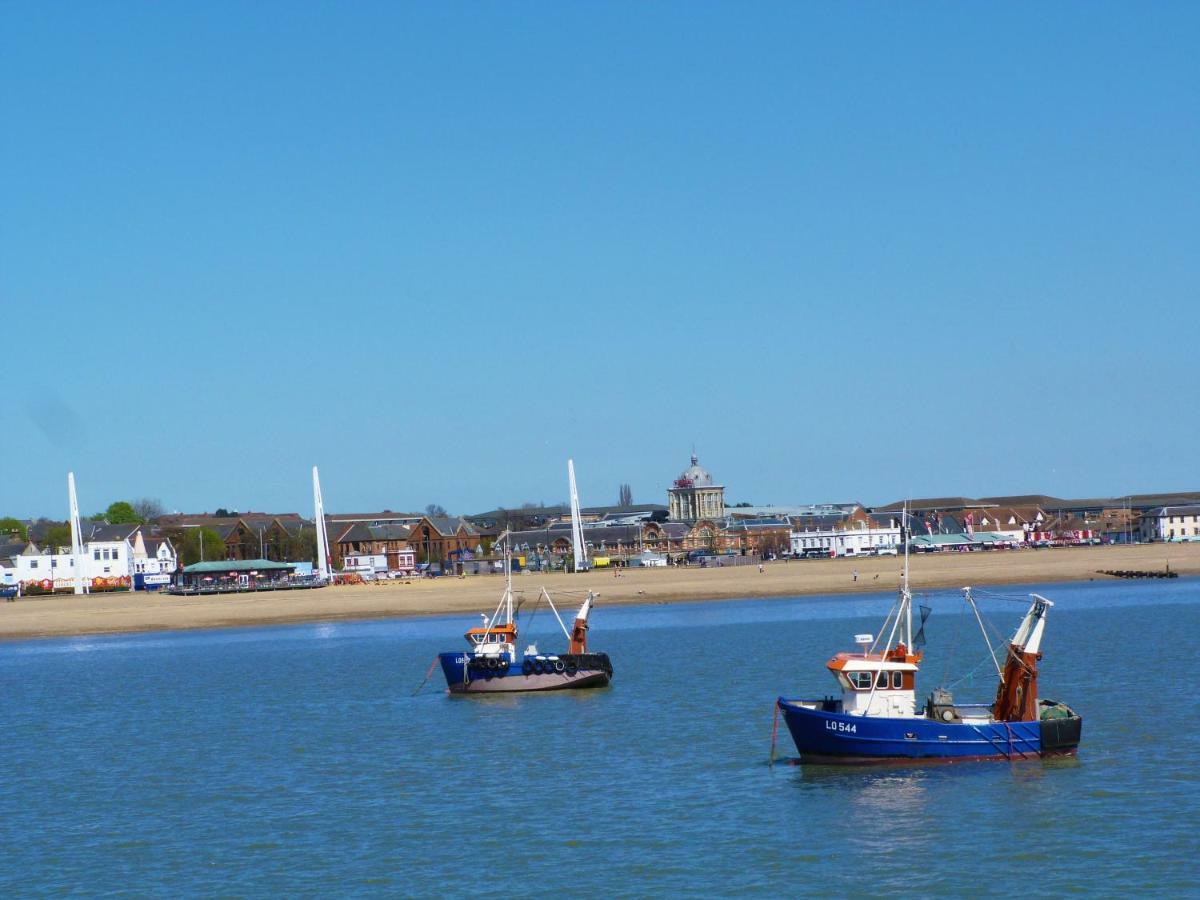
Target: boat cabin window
860,681
477,638
897,680
881,681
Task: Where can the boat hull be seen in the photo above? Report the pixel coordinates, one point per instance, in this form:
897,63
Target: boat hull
464,678
825,736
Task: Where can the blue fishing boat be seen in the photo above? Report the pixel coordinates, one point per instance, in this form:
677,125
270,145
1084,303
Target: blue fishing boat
877,720
491,664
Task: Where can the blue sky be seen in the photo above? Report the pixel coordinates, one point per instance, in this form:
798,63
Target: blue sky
846,250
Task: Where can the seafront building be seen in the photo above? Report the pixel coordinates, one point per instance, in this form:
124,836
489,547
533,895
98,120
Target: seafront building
694,496
1171,523
114,556
855,534
249,535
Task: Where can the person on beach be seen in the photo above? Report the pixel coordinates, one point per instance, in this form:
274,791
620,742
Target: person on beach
856,574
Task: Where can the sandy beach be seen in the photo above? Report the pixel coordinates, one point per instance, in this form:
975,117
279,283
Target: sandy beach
124,612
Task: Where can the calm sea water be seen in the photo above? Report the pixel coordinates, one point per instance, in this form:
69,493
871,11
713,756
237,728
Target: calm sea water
297,760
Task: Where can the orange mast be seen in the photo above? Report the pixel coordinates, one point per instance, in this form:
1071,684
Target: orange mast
1016,697
579,629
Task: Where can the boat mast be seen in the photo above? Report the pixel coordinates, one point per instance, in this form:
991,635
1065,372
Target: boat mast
576,527
508,591
905,596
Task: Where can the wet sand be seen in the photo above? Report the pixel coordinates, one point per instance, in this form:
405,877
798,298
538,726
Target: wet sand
125,612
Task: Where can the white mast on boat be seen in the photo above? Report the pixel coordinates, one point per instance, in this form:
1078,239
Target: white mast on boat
906,596
322,536
76,537
508,591
576,527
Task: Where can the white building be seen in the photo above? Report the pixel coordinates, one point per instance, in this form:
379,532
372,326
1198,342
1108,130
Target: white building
366,563
847,538
1013,524
111,555
1171,523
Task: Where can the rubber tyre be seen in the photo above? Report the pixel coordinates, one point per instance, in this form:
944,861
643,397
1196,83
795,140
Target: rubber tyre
526,667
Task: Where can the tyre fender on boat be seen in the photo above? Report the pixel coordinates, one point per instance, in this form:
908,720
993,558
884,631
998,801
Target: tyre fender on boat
527,667
560,666
572,668
538,668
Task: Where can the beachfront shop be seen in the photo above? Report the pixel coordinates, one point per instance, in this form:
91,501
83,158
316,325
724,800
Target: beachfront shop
980,540
230,575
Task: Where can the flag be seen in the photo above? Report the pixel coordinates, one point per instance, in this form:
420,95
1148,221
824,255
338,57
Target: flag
919,637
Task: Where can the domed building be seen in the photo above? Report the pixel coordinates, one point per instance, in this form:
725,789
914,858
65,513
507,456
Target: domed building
694,496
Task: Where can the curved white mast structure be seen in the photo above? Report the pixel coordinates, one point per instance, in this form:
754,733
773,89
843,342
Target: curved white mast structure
322,536
576,526
76,537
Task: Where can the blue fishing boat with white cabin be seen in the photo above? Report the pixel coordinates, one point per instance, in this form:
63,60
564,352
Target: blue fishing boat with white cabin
877,719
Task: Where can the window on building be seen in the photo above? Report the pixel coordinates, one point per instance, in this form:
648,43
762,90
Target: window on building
33,563
96,554
114,554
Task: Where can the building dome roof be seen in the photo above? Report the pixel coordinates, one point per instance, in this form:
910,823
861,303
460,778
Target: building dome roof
694,476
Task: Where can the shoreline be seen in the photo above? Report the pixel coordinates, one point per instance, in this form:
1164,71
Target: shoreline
125,613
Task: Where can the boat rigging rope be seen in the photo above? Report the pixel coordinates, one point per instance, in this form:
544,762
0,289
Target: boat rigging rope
536,603
953,643
970,675
995,595
774,734
420,687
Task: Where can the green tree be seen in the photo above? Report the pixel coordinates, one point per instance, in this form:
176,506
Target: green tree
57,535
15,527
199,544
300,547
119,512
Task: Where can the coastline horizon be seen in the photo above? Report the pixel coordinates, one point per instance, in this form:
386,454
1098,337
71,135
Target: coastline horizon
125,613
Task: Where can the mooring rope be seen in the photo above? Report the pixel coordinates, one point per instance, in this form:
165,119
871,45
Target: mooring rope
432,666
774,734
